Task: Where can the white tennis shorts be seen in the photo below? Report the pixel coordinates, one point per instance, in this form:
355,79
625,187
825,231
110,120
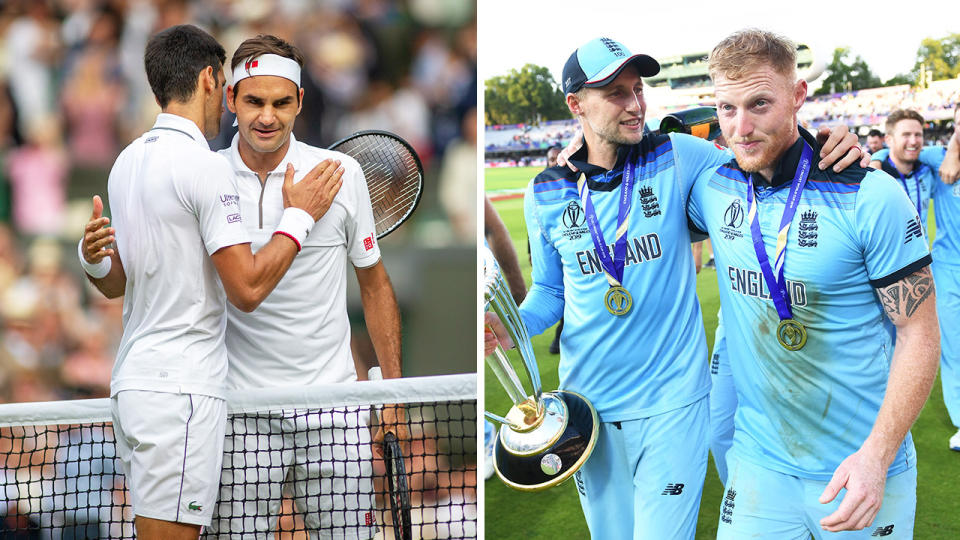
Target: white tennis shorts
171,447
322,460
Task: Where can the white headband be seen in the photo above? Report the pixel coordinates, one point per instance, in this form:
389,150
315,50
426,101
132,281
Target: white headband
268,64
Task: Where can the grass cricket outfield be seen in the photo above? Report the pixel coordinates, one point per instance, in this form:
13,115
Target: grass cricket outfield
556,513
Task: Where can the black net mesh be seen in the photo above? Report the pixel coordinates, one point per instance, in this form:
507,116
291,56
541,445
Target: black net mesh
290,473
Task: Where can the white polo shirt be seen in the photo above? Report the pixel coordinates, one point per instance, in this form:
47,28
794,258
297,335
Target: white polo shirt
173,205
300,334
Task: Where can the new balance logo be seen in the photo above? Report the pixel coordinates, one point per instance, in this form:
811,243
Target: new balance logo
914,230
673,489
883,531
193,506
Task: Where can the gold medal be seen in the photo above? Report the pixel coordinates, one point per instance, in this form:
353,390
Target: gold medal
618,300
791,335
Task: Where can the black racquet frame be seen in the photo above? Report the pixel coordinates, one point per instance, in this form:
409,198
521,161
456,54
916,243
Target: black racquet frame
368,166
397,488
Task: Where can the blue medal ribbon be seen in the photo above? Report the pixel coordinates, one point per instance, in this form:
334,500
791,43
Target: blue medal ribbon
775,282
903,180
612,267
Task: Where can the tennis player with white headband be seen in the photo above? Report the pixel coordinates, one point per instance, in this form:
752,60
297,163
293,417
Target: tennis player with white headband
264,348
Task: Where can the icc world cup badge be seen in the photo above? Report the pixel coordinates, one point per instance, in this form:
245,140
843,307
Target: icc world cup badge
618,300
791,335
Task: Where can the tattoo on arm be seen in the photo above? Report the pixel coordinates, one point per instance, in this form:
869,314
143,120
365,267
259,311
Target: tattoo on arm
903,298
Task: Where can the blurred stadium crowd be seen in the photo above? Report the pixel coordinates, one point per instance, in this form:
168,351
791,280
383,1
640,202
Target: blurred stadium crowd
510,145
73,93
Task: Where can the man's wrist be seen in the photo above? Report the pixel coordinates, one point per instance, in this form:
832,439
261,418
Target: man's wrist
295,223
96,270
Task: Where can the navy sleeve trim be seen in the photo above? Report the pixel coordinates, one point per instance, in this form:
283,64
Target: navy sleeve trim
902,273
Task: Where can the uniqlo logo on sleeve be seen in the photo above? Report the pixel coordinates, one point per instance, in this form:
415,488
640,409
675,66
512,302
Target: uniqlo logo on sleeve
368,518
368,243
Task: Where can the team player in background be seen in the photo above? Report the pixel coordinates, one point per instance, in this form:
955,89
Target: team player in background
825,400
912,161
633,339
180,229
875,140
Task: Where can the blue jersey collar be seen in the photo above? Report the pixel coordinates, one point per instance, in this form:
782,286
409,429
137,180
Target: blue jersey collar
886,167
598,177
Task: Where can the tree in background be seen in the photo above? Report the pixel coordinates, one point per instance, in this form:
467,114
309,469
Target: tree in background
941,56
526,96
845,75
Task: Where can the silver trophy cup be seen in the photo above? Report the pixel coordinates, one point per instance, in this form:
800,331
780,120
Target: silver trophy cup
545,437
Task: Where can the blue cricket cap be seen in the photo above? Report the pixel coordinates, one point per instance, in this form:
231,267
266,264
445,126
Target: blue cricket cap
600,61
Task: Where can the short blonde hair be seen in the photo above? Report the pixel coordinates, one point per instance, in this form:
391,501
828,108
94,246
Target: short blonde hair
745,50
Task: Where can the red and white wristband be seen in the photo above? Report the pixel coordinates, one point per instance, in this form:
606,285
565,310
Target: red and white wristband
295,224
98,270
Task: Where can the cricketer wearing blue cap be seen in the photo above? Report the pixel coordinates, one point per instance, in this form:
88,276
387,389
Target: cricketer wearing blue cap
809,264
633,340
914,162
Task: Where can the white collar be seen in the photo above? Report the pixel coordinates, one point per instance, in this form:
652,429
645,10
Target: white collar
292,156
168,121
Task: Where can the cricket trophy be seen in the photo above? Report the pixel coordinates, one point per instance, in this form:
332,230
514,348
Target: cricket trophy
545,437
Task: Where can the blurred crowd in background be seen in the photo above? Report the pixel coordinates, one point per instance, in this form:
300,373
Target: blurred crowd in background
73,93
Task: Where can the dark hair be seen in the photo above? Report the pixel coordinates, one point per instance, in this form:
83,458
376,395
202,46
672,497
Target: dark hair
875,133
174,59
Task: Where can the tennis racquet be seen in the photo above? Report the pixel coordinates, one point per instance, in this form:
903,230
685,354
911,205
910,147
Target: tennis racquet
397,488
393,172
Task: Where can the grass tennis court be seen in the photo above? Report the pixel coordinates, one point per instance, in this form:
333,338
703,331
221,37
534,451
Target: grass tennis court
556,513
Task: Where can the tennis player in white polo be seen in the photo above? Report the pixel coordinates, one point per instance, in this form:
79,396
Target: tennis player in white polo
331,483
180,228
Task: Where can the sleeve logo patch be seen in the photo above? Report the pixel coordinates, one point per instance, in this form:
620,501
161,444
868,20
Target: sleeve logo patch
368,243
914,230
233,218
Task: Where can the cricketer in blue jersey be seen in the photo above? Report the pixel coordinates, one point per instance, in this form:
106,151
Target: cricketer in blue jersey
946,263
610,252
809,264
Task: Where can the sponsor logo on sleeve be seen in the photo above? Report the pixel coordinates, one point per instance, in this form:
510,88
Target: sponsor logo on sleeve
914,230
368,243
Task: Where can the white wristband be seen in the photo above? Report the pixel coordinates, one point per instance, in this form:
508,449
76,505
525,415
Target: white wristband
295,223
98,270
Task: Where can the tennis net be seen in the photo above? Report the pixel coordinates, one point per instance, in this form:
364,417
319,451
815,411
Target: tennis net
297,464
